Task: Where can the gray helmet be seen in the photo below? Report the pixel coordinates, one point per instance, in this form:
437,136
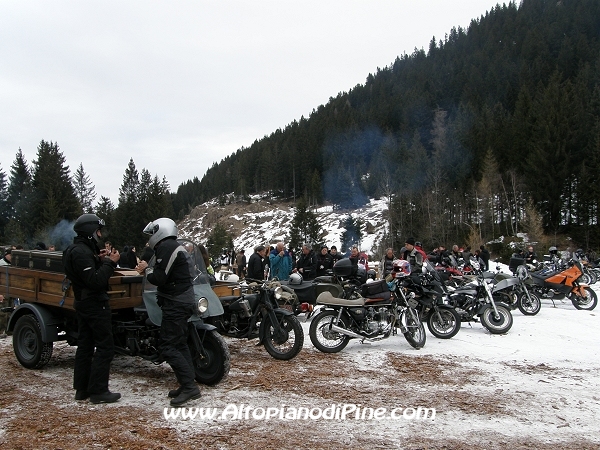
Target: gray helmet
160,229
86,225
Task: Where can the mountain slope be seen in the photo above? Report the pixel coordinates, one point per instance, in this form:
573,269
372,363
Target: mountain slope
263,221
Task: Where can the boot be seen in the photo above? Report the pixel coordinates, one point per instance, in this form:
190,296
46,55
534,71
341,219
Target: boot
186,394
105,397
175,392
80,394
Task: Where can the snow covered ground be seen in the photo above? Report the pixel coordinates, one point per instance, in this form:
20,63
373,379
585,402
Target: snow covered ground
538,386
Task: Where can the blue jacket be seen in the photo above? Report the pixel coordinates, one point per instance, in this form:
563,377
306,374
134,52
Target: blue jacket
281,266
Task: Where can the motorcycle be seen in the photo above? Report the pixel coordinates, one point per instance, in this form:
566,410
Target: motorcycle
565,283
429,290
476,299
141,335
257,314
515,291
367,311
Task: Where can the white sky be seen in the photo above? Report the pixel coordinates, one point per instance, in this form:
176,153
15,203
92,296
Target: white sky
179,85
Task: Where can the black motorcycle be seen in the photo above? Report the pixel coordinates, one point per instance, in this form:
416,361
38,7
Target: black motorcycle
429,290
258,313
475,300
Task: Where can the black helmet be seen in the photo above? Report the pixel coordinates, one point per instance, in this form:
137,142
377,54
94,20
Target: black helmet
86,225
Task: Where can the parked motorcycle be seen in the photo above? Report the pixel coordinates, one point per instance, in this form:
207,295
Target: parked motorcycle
367,311
565,283
516,291
257,314
475,300
430,292
140,336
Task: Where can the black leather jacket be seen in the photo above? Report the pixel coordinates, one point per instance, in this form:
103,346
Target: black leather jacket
176,284
88,273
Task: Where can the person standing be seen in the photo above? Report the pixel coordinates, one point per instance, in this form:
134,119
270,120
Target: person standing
324,262
240,260
175,293
89,269
256,268
307,263
280,262
335,256
386,266
412,255
484,254
530,256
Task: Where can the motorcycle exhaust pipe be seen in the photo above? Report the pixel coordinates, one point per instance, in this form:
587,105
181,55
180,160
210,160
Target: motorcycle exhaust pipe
350,333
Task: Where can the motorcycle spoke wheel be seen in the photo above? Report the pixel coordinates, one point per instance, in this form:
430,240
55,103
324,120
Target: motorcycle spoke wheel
586,303
497,325
285,343
443,323
415,334
210,356
325,339
529,306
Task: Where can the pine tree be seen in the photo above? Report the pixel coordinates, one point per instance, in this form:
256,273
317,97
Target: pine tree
105,210
127,228
84,189
4,213
19,188
305,228
54,197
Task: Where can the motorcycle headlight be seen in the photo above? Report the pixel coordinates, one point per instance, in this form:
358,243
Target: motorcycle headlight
278,292
202,305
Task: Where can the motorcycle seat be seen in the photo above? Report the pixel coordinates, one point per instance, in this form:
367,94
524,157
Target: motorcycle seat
298,287
379,297
542,276
325,298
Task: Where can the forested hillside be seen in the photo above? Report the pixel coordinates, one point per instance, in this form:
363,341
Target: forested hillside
459,137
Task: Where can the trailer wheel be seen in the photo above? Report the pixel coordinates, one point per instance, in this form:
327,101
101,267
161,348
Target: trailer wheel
29,348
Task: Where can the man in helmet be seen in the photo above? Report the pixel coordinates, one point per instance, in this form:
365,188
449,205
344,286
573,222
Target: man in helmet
175,293
89,269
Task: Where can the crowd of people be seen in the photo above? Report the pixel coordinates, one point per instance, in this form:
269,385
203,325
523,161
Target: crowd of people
280,262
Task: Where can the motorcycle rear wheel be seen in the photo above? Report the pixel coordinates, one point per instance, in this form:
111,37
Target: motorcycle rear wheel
443,323
211,359
498,325
588,302
415,334
322,337
529,307
287,346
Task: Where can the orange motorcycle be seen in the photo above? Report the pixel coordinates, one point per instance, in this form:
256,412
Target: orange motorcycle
561,283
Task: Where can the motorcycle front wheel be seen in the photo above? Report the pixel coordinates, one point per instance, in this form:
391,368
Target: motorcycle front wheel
415,331
285,343
323,337
529,306
588,302
443,323
497,325
210,355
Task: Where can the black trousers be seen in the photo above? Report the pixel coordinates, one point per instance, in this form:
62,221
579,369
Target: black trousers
95,332
174,334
